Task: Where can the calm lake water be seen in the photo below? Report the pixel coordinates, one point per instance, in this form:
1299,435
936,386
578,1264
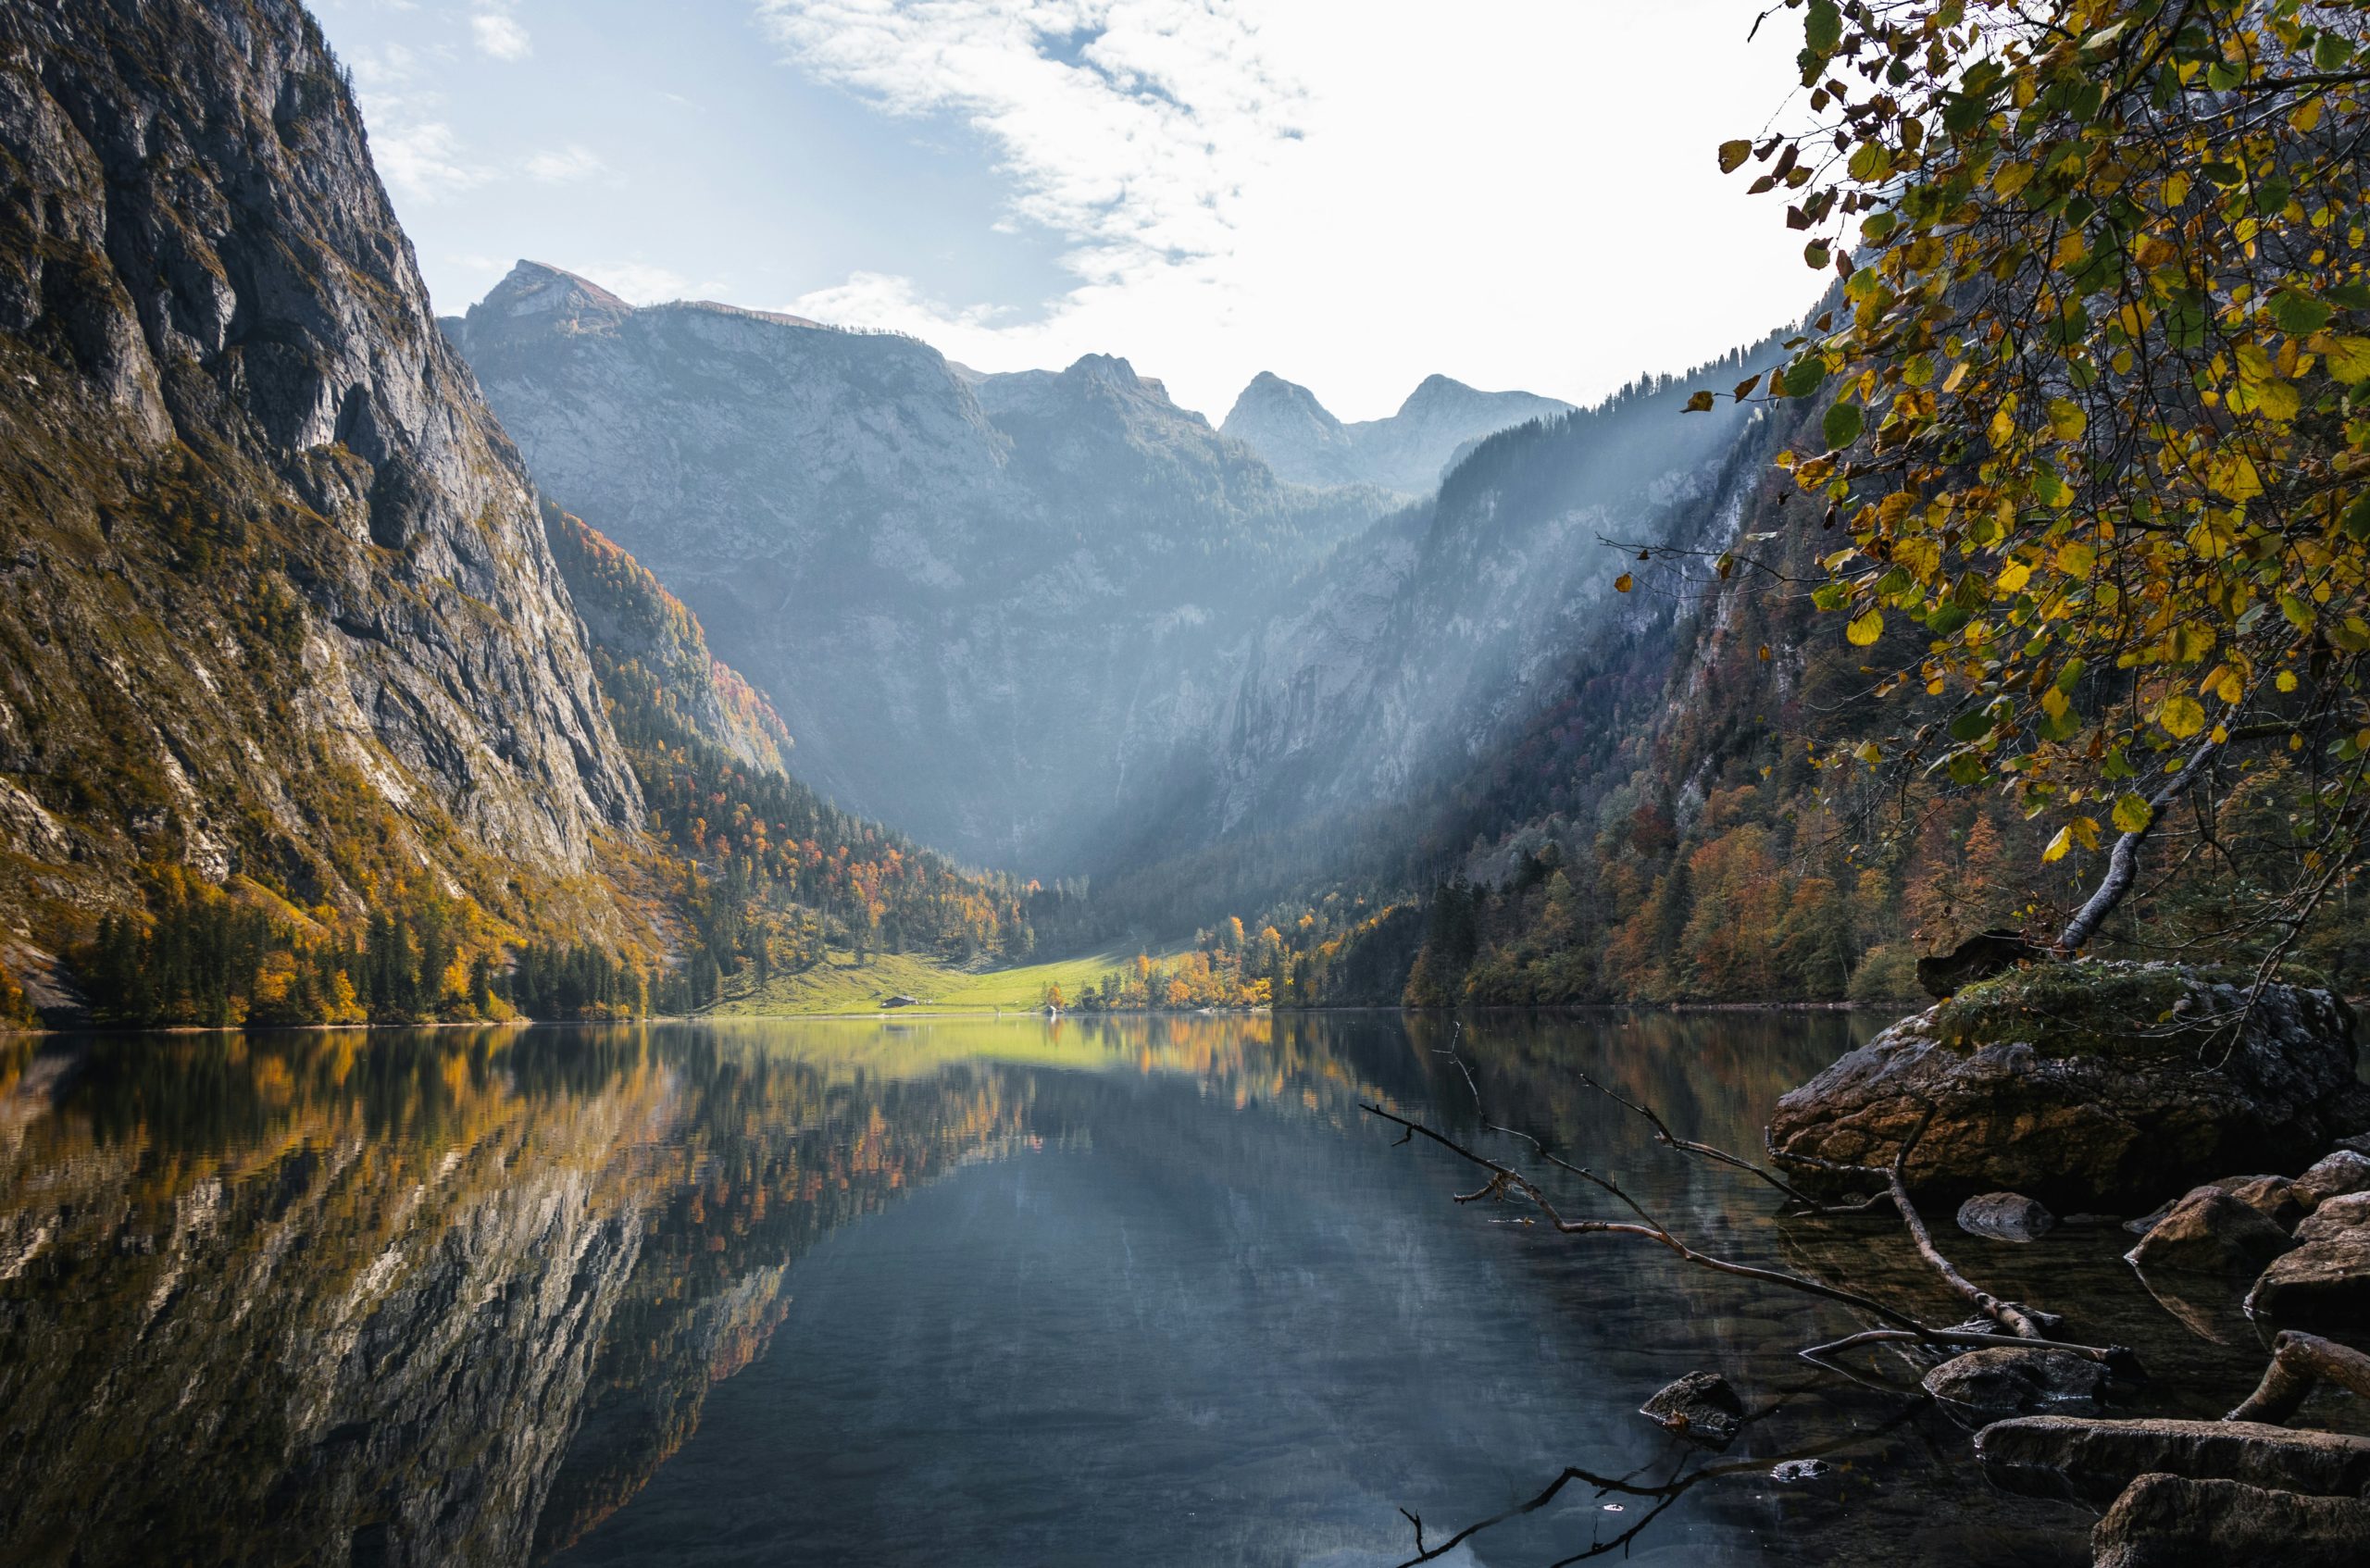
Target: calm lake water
954,1291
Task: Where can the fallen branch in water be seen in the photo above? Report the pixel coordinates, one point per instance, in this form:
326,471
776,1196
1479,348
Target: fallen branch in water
1667,1492
1722,1157
2300,1363
2018,1319
1505,1180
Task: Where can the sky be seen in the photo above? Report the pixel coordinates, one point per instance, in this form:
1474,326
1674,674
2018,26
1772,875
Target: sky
1351,194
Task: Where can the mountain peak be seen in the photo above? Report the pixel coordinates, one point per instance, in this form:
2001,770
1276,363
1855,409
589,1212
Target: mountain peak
1285,424
1269,396
1436,391
535,288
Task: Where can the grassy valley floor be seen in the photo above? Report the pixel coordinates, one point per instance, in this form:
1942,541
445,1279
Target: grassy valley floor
840,985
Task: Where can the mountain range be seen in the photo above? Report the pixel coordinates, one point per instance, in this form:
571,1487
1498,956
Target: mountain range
967,594
682,628
1410,452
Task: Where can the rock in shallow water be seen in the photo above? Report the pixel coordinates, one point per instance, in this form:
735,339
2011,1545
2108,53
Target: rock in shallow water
2210,1232
2005,1216
2324,1284
2068,1083
1700,1407
2173,1522
2095,1459
1795,1471
2005,1379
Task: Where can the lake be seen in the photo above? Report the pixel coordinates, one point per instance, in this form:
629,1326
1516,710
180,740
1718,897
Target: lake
950,1290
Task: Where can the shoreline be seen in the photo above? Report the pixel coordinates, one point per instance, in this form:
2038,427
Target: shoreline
990,1014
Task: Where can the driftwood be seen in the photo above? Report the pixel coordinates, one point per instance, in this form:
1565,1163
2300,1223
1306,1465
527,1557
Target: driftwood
1507,1181
2024,1328
2300,1363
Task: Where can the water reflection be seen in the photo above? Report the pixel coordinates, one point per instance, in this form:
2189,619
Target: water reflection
1142,1290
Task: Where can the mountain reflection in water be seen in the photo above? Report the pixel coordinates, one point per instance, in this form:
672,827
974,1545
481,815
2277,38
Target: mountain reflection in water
1146,1290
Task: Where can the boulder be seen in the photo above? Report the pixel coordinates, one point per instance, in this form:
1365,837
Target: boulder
2275,1198
2323,1284
2078,1084
2173,1522
2005,1216
2351,1212
1700,1407
2094,1458
2007,1379
2340,1174
2209,1232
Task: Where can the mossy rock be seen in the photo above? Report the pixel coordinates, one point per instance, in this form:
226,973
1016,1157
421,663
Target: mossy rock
2089,1085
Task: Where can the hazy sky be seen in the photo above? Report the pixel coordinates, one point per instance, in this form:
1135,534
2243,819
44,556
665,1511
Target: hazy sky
1352,194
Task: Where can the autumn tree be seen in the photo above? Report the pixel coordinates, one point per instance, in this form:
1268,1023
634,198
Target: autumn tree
2098,387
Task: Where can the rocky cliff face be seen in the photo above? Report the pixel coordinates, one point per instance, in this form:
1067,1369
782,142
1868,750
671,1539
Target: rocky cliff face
1409,452
956,588
275,599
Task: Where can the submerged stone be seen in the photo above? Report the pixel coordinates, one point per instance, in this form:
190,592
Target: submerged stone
1795,1471
2005,1216
2008,1379
1700,1407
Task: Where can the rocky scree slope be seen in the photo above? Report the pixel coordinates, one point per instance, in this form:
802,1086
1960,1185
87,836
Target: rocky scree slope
274,598
1410,452
955,588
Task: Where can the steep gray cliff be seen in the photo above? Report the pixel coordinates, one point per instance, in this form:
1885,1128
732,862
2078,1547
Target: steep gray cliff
274,598
1409,451
959,591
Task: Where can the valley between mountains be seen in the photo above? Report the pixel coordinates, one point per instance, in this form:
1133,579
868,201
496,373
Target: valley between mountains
568,658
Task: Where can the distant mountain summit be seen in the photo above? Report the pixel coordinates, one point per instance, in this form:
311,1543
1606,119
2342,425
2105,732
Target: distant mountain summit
957,587
1303,441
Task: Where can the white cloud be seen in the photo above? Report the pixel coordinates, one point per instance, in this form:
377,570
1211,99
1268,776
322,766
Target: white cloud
1130,127
641,282
1521,194
419,159
878,299
567,165
387,67
500,36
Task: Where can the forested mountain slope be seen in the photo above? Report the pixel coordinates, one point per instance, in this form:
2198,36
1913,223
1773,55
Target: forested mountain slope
956,588
275,605
771,875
